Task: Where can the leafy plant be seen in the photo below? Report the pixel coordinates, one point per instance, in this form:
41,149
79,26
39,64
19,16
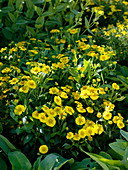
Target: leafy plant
118,148
52,161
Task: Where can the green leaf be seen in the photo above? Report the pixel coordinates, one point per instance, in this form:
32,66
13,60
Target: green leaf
86,22
61,7
7,9
29,4
119,147
5,145
105,155
1,128
86,63
60,161
19,4
3,165
75,74
124,134
19,161
31,30
64,126
40,20
38,10
37,163
22,21
84,164
30,13
48,162
12,17
103,162
120,98
27,138
48,13
125,158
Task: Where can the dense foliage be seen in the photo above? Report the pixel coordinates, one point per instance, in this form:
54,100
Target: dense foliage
64,84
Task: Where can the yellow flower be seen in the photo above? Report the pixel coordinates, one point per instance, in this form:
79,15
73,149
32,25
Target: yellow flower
94,97
69,135
115,119
31,84
6,70
76,137
99,115
89,109
73,31
43,149
90,131
76,95
13,81
84,94
50,121
80,120
69,110
24,89
19,109
35,115
53,90
107,115
115,86
64,60
51,112
58,100
45,108
63,95
54,31
42,117
45,69
120,124
35,70
80,109
82,133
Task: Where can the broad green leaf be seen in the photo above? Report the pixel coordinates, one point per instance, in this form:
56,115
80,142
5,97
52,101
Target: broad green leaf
6,9
40,20
38,26
60,161
96,158
61,7
86,63
75,74
19,161
125,158
37,162
103,162
21,21
48,162
12,17
5,145
120,98
38,10
119,147
48,13
30,13
19,4
3,165
84,164
31,30
29,4
124,134
105,155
